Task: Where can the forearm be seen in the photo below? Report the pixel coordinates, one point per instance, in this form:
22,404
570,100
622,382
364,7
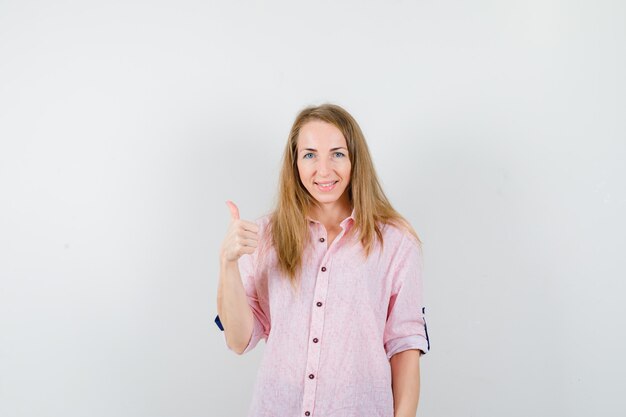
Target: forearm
232,307
405,377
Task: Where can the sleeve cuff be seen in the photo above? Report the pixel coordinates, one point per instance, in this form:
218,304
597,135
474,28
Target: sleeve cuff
258,333
401,344
219,323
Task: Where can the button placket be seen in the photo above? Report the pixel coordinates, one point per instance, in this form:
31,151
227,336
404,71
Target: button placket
317,328
317,324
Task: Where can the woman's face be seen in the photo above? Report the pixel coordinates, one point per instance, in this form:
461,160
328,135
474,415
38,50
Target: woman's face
323,159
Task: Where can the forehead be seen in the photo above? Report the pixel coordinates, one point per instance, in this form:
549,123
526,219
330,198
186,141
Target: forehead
319,134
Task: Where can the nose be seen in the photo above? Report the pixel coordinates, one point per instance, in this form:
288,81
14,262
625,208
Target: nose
323,168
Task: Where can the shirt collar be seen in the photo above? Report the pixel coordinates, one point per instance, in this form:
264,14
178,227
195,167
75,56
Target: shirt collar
344,223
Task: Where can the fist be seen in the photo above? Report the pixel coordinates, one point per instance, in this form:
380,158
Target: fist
241,237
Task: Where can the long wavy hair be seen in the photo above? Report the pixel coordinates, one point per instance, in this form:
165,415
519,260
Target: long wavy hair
288,229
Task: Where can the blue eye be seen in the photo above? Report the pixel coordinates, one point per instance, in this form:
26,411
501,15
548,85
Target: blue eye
342,155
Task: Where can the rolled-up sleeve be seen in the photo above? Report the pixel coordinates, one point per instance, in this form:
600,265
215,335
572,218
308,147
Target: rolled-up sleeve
261,324
405,327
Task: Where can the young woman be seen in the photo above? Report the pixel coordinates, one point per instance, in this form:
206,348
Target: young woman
330,279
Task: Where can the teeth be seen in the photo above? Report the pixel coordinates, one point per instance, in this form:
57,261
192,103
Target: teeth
327,184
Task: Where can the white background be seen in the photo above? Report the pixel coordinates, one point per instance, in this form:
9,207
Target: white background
498,128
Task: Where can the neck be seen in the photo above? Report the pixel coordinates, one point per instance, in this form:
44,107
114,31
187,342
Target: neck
331,214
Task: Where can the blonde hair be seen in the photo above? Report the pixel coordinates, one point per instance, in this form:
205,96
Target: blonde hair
288,229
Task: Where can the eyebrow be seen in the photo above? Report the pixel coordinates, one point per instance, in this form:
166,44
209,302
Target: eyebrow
315,150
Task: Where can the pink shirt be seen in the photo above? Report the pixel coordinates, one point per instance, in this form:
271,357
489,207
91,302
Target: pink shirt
327,350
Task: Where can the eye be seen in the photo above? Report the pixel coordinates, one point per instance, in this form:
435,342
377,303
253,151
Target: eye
339,153
304,157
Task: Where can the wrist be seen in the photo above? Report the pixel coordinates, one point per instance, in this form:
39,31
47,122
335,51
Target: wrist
227,264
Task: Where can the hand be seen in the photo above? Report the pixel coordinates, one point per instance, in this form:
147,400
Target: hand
241,237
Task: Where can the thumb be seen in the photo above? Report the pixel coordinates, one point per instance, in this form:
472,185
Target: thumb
234,211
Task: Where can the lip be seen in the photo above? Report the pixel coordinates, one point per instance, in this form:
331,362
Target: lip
326,190
317,183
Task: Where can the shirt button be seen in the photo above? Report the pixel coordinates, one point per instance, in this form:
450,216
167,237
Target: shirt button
319,303
321,239
315,340
323,269
311,376
306,413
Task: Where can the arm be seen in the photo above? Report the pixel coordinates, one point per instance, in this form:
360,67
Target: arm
405,382
232,307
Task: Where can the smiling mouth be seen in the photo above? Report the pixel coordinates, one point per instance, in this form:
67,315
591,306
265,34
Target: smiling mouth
327,183
326,188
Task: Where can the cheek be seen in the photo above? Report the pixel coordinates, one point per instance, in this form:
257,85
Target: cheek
347,170
303,171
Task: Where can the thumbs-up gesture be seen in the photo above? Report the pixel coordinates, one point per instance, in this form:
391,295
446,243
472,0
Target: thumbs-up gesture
241,237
